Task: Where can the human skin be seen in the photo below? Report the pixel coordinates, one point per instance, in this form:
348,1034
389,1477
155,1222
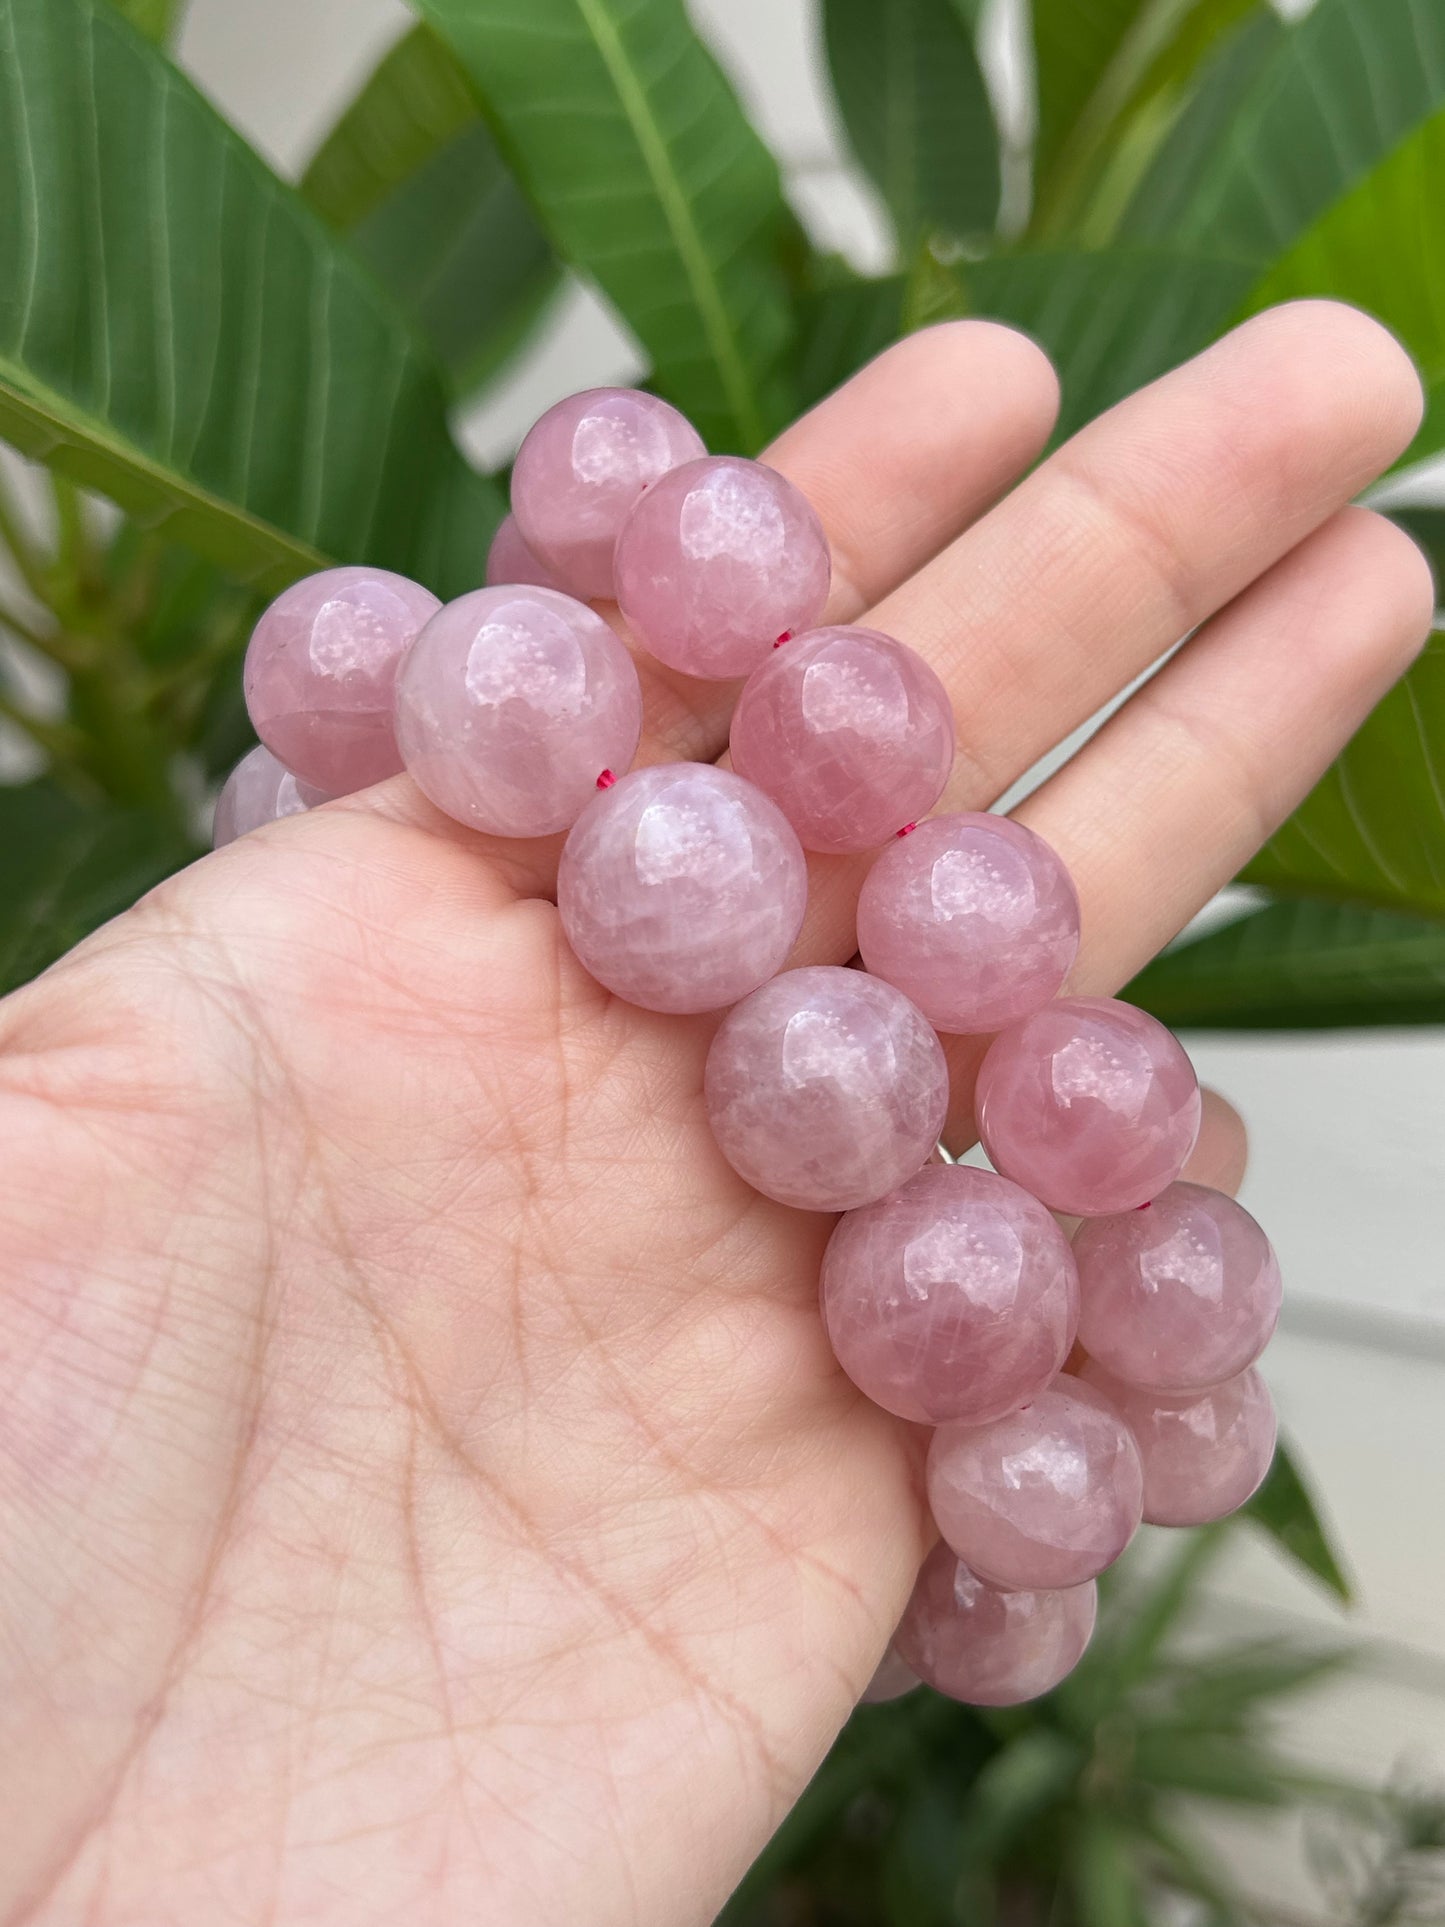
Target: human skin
426,1494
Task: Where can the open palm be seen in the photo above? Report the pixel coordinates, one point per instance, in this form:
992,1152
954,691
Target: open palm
426,1494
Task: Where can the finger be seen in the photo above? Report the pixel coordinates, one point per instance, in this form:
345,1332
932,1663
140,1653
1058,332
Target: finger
1137,530
1221,1154
1167,802
896,462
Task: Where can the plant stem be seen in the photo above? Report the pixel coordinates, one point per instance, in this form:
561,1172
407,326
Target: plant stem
30,562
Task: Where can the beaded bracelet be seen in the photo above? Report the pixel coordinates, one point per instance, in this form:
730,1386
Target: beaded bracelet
1076,1387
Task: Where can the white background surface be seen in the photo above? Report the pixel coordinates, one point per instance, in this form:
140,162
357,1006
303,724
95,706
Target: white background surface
1349,1131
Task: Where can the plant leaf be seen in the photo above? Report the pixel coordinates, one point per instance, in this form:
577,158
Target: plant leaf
66,867
917,112
1111,320
412,173
1378,247
1301,965
1027,1776
158,20
1373,829
643,168
188,339
1131,59
1190,151
1073,48
1284,1509
1341,89
841,326
1104,1873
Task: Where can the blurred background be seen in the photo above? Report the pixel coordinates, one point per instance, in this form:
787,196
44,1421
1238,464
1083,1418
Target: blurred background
1348,1124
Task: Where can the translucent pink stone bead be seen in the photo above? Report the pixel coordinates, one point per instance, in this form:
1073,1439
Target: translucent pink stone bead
682,888
320,672
1179,1295
1046,1496
893,1678
953,1298
717,562
849,732
825,1089
580,470
1204,1454
974,917
1090,1104
510,705
510,560
259,790
991,1648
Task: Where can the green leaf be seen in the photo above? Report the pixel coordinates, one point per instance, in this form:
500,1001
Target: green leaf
412,106
1284,1509
1427,525
1301,966
1190,151
917,112
187,338
841,327
1232,1684
1111,320
156,19
1378,247
412,173
1111,74
641,165
66,867
1342,88
1030,1774
1105,1874
1074,46
1373,830
1215,1766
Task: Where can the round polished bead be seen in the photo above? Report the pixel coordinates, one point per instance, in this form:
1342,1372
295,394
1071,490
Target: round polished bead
718,562
509,560
891,1680
259,790
1047,1496
953,1298
974,917
321,670
511,704
1203,1455
682,888
826,1088
991,1648
581,469
849,732
1179,1295
1090,1104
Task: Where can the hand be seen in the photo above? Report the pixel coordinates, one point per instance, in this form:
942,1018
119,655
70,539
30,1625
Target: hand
426,1494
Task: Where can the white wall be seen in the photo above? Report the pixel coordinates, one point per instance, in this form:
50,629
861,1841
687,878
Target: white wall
1349,1132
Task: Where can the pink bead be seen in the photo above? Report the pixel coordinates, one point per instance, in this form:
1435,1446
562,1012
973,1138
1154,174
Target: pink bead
1047,1496
510,705
891,1681
259,790
974,917
954,1298
825,1089
1203,1455
682,888
717,562
849,732
1179,1295
320,671
1090,1104
990,1648
509,560
581,469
